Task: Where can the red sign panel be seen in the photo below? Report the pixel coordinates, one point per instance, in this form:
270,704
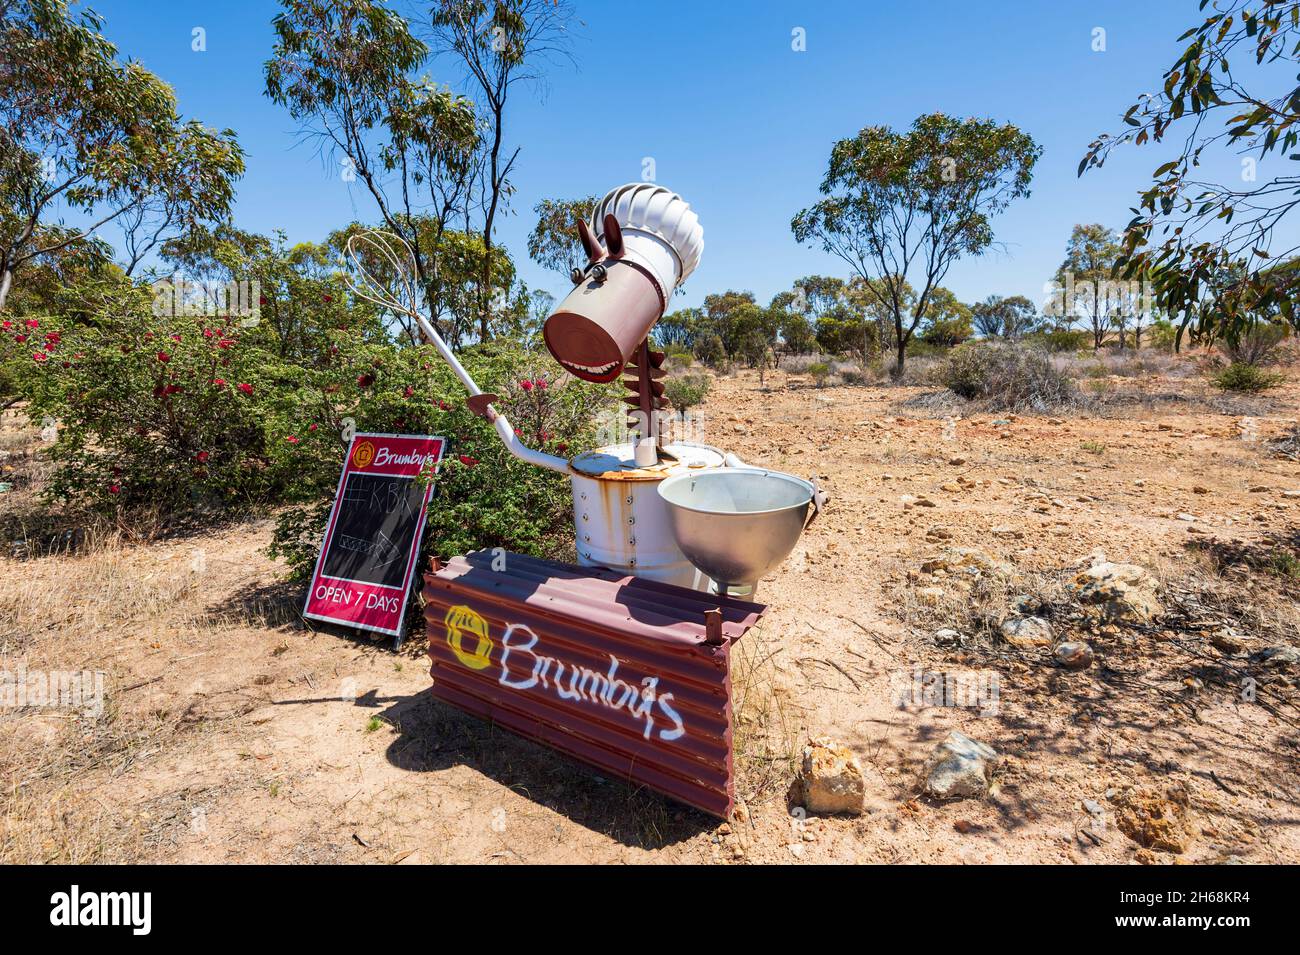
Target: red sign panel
367,561
625,674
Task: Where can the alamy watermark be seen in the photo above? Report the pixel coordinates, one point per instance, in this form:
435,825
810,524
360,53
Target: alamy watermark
21,687
918,688
179,297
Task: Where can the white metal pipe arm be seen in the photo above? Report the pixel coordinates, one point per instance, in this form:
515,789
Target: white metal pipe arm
505,430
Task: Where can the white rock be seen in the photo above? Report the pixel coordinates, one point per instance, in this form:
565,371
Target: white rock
960,767
1027,632
1117,592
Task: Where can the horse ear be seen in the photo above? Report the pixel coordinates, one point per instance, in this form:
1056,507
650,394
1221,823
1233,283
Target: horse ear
613,236
589,243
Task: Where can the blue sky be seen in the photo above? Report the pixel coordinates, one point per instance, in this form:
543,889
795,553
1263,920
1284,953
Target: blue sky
736,121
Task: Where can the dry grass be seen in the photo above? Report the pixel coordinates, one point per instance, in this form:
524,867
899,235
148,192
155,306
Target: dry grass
766,741
83,612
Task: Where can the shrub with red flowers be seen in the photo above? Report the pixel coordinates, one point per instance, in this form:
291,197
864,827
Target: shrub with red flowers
484,496
195,416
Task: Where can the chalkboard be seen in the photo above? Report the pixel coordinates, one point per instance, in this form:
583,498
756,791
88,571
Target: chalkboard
374,529
366,565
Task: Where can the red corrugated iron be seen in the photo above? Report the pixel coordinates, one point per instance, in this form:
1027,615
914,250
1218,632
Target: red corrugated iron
629,675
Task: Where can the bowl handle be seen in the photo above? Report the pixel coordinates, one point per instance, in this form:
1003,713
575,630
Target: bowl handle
820,497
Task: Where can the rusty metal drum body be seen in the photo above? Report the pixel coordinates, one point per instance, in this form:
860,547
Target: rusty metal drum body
619,519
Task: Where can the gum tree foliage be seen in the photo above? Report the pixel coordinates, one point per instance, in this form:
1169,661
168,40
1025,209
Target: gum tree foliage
900,208
790,314
998,317
86,134
500,44
1090,260
679,329
553,244
947,320
346,71
1233,88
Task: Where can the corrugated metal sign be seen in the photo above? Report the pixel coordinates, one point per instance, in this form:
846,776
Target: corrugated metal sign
626,674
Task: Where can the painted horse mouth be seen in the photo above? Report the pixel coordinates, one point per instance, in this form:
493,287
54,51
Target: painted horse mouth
604,369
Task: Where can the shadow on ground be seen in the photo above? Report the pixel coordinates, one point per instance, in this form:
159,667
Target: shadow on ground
433,736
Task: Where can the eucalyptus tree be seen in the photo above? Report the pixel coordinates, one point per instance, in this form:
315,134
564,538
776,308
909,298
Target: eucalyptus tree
1009,317
901,208
1205,246
500,44
348,72
88,136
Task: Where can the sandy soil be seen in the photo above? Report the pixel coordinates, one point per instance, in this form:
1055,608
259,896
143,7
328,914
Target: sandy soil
235,734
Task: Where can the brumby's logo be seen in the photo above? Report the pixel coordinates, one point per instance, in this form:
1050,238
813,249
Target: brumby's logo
461,622
103,908
522,666
363,454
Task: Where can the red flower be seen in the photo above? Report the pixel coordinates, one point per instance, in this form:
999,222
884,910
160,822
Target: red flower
207,333
201,457
291,439
39,357
33,323
176,338
219,382
443,406
164,357
225,343
469,462
540,383
53,338
365,381
408,392
311,427
562,447
6,324
20,338
261,300
245,387
526,385
114,488
172,389
327,298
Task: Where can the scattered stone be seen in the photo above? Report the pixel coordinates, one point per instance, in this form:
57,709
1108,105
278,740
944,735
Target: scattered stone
956,462
932,596
1074,655
1118,592
946,635
964,560
951,488
1012,532
924,502
1228,640
1258,489
1184,516
1027,633
938,534
830,778
960,767
1291,494
1200,489
1280,656
1023,605
1156,819
1000,422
